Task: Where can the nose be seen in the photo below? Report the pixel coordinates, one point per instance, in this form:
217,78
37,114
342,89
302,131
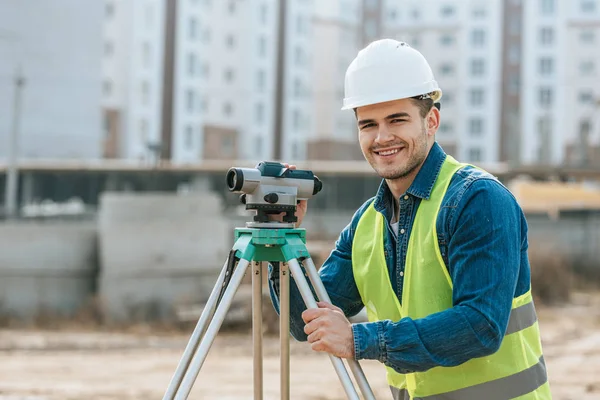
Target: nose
383,134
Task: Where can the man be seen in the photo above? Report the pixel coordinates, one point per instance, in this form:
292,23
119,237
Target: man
438,257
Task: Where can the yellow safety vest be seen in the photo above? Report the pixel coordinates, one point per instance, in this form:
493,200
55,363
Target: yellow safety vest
515,371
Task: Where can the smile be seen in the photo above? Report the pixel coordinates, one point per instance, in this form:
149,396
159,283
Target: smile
388,152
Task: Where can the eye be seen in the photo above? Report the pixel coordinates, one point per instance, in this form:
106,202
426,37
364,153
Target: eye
395,120
366,126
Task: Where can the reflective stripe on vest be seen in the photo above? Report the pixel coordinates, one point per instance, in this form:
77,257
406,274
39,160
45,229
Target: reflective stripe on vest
517,368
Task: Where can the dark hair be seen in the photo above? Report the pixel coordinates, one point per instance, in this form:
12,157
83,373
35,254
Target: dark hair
424,105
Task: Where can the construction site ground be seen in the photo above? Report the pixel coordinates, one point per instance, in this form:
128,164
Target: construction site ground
82,363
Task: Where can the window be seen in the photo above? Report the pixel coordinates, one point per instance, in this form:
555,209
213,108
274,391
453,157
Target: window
547,7
296,120
193,28
546,66
227,147
109,48
109,9
204,104
475,126
446,69
371,28
587,36
107,87
545,97
514,54
514,25
190,100
191,64
227,109
446,128
261,80
546,36
447,11
514,84
299,56
146,56
587,67
474,154
477,67
586,97
392,14
262,46
230,41
231,7
229,75
588,6
448,98
206,36
478,38
143,130
145,92
263,13
298,90
415,13
479,12
205,70
543,132
476,96
415,41
260,113
189,136
258,147
446,40
301,28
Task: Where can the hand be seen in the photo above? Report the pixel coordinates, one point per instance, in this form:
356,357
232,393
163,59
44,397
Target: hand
329,330
301,207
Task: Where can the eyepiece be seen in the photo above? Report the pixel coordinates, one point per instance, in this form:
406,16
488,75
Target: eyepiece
318,185
235,179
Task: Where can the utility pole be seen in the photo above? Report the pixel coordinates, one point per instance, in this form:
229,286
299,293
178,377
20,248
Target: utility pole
12,173
280,82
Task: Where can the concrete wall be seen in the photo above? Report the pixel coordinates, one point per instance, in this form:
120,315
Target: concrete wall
158,250
46,267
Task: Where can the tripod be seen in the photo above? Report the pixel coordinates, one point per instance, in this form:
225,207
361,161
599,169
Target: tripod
259,243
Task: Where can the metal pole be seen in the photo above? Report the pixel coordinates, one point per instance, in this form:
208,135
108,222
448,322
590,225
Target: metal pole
11,190
284,330
257,328
280,82
355,367
310,302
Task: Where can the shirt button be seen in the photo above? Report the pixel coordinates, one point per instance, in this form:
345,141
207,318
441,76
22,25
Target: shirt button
402,230
401,273
405,197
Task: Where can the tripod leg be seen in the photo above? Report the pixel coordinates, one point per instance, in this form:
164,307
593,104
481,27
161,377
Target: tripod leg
197,334
257,328
284,330
211,332
310,302
355,367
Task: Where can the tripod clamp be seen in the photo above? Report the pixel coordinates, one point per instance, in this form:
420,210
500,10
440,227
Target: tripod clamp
257,244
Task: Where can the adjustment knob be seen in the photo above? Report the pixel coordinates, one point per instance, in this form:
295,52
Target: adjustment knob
271,198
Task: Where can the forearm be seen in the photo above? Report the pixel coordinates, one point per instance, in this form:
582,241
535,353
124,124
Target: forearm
446,339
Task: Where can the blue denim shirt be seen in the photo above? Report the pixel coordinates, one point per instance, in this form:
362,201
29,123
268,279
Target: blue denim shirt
482,235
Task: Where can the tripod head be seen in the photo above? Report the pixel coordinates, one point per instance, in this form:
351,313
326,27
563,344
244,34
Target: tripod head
271,188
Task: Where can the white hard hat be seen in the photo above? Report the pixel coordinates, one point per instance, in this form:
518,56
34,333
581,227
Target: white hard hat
388,70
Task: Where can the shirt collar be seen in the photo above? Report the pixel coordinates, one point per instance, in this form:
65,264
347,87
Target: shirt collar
424,181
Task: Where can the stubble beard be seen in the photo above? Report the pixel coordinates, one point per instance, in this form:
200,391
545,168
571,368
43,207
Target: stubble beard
415,160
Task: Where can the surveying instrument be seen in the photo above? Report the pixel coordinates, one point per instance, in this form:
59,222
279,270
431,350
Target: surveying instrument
270,188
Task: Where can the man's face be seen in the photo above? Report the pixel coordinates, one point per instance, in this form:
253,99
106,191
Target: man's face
393,137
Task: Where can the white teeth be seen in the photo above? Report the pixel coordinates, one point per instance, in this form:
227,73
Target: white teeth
388,152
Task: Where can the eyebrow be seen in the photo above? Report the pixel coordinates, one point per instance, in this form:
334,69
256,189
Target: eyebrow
392,116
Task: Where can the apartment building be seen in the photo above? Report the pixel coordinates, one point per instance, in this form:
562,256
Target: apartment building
53,49
561,82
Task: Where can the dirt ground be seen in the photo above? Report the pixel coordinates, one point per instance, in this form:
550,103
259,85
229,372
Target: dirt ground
71,364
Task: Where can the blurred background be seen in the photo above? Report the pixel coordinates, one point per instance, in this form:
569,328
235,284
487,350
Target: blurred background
120,118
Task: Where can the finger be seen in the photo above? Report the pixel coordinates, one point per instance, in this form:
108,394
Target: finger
292,166
329,306
313,337
319,345
312,313
310,328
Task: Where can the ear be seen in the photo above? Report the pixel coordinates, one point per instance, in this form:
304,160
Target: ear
433,121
